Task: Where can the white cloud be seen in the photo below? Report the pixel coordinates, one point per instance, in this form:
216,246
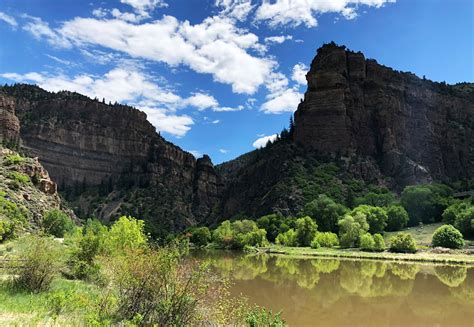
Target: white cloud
201,101
99,12
228,109
238,9
286,101
299,73
215,46
224,151
144,6
262,141
297,12
61,61
195,153
217,121
8,19
278,39
172,124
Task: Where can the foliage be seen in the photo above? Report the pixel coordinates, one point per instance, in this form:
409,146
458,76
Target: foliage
12,219
325,212
449,215
465,221
376,217
379,245
402,242
260,317
315,244
272,224
327,239
397,218
20,178
287,238
13,159
223,235
238,234
351,227
38,264
383,198
367,242
305,230
425,203
449,237
126,233
57,223
200,236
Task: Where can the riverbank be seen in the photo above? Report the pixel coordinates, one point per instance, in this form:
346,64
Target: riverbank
420,256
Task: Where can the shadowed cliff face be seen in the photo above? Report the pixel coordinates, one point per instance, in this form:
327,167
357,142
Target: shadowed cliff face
84,143
415,129
9,123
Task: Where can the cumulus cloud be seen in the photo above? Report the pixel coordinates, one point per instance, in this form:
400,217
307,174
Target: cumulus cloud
144,6
215,46
299,73
201,101
262,141
278,39
237,9
297,12
8,19
286,101
177,125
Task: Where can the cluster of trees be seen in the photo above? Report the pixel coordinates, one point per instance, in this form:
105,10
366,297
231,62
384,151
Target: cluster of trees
326,223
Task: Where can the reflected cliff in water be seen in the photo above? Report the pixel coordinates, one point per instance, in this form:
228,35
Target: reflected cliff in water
333,292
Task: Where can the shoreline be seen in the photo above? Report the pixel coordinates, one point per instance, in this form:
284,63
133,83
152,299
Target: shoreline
295,252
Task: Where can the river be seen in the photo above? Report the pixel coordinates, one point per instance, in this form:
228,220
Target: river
335,292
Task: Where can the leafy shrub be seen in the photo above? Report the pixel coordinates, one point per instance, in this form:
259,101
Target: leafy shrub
20,178
325,212
287,238
351,228
315,244
38,263
379,243
327,239
449,237
271,223
223,235
259,317
376,217
12,219
402,242
200,236
397,218
13,159
239,234
451,212
382,198
305,230
465,221
126,233
367,242
57,223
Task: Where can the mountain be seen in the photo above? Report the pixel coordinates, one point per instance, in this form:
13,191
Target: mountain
360,126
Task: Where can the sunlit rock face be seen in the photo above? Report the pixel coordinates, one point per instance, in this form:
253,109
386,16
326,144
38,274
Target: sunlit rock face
416,130
86,143
9,123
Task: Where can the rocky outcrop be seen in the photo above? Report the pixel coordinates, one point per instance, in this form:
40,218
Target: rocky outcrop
86,143
9,123
415,129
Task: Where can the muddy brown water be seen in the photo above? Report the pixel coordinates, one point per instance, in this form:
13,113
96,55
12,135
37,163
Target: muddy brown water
337,292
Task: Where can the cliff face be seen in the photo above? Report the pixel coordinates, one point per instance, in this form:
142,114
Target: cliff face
415,129
84,143
9,123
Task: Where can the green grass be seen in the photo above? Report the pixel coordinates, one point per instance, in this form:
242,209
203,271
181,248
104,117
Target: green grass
453,258
422,236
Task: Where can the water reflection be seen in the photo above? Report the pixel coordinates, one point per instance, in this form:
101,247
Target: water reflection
332,292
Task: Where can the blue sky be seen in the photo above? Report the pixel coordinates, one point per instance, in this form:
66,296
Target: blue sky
221,76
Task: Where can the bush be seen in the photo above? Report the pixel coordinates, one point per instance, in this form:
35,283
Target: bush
12,219
397,218
20,178
260,317
379,243
271,223
126,233
381,199
223,235
287,238
200,236
327,239
351,228
57,223
402,242
448,237
325,212
305,230
453,211
465,221
38,264
239,234
376,217
367,242
315,244
14,159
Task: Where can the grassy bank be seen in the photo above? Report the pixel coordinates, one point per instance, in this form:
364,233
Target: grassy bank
421,256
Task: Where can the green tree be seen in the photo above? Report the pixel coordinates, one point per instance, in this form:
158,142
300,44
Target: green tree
325,212
305,230
465,221
397,217
271,223
449,237
126,233
223,235
376,217
327,239
451,212
382,199
379,243
57,223
402,242
351,227
200,236
287,238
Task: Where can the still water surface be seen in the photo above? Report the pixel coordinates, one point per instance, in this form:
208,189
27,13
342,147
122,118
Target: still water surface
333,292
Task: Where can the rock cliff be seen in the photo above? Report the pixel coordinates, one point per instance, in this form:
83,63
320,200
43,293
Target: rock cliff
415,129
85,143
9,123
